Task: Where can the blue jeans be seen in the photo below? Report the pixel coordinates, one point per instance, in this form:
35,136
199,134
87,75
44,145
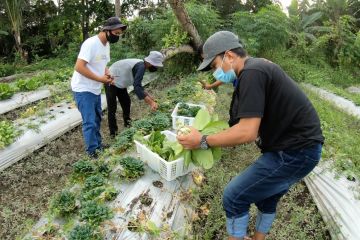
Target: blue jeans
264,183
89,105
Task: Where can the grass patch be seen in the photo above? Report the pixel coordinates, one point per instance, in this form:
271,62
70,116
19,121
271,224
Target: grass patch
341,131
335,80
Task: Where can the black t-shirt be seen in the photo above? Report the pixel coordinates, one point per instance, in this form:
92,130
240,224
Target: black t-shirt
288,119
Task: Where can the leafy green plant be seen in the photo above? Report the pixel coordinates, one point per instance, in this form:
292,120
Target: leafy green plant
100,194
92,194
8,133
143,125
206,124
6,70
85,232
6,91
157,143
109,194
264,30
187,110
93,182
95,213
63,204
124,140
132,168
83,168
103,168
176,37
160,121
165,106
28,84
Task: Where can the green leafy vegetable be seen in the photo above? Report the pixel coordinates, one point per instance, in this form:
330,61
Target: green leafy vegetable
143,125
160,121
124,140
95,213
6,91
187,110
63,204
132,168
85,232
8,133
206,124
84,168
94,181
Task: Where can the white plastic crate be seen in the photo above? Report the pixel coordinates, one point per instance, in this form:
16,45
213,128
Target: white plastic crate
167,170
187,121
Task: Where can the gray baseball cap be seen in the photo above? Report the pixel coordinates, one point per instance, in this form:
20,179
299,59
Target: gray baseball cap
113,23
218,43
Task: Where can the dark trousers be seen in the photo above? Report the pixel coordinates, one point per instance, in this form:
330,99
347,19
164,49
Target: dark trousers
122,95
264,183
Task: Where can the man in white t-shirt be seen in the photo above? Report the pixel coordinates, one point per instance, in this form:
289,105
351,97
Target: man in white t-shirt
88,78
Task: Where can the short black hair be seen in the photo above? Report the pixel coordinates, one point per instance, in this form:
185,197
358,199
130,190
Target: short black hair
241,52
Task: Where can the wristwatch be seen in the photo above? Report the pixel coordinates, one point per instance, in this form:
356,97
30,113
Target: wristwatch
203,143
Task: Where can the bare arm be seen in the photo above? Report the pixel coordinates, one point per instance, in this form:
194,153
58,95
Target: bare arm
81,68
213,85
244,132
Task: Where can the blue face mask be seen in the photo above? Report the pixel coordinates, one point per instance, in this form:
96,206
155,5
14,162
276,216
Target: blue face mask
225,77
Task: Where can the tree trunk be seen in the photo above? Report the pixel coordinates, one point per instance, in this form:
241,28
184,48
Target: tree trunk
117,8
85,20
14,12
172,51
185,21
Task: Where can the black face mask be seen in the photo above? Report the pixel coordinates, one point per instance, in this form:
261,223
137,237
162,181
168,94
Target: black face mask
152,69
112,38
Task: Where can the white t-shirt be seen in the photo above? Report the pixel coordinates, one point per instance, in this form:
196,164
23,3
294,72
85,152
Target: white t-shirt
97,56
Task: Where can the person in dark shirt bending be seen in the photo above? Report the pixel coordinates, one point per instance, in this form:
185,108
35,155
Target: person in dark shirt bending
267,107
129,72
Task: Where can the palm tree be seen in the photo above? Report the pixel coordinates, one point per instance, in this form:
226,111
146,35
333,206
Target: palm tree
14,12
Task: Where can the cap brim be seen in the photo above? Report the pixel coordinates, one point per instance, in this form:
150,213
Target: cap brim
117,26
205,65
158,65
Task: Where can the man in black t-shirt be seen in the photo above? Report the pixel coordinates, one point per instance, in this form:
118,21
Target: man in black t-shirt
267,107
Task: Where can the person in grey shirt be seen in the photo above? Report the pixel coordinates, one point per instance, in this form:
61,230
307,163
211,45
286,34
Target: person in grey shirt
129,72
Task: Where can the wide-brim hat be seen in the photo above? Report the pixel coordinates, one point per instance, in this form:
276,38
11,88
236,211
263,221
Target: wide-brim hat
155,58
113,23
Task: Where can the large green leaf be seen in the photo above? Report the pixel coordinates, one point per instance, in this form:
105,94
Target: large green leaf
215,127
202,119
187,157
203,158
216,151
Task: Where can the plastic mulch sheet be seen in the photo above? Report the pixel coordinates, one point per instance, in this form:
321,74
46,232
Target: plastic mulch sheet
338,201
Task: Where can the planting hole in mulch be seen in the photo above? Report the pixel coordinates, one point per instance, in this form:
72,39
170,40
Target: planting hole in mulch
158,184
146,200
133,226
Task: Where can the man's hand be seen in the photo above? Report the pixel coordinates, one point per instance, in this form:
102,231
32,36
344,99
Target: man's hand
151,103
191,140
206,85
107,79
154,106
